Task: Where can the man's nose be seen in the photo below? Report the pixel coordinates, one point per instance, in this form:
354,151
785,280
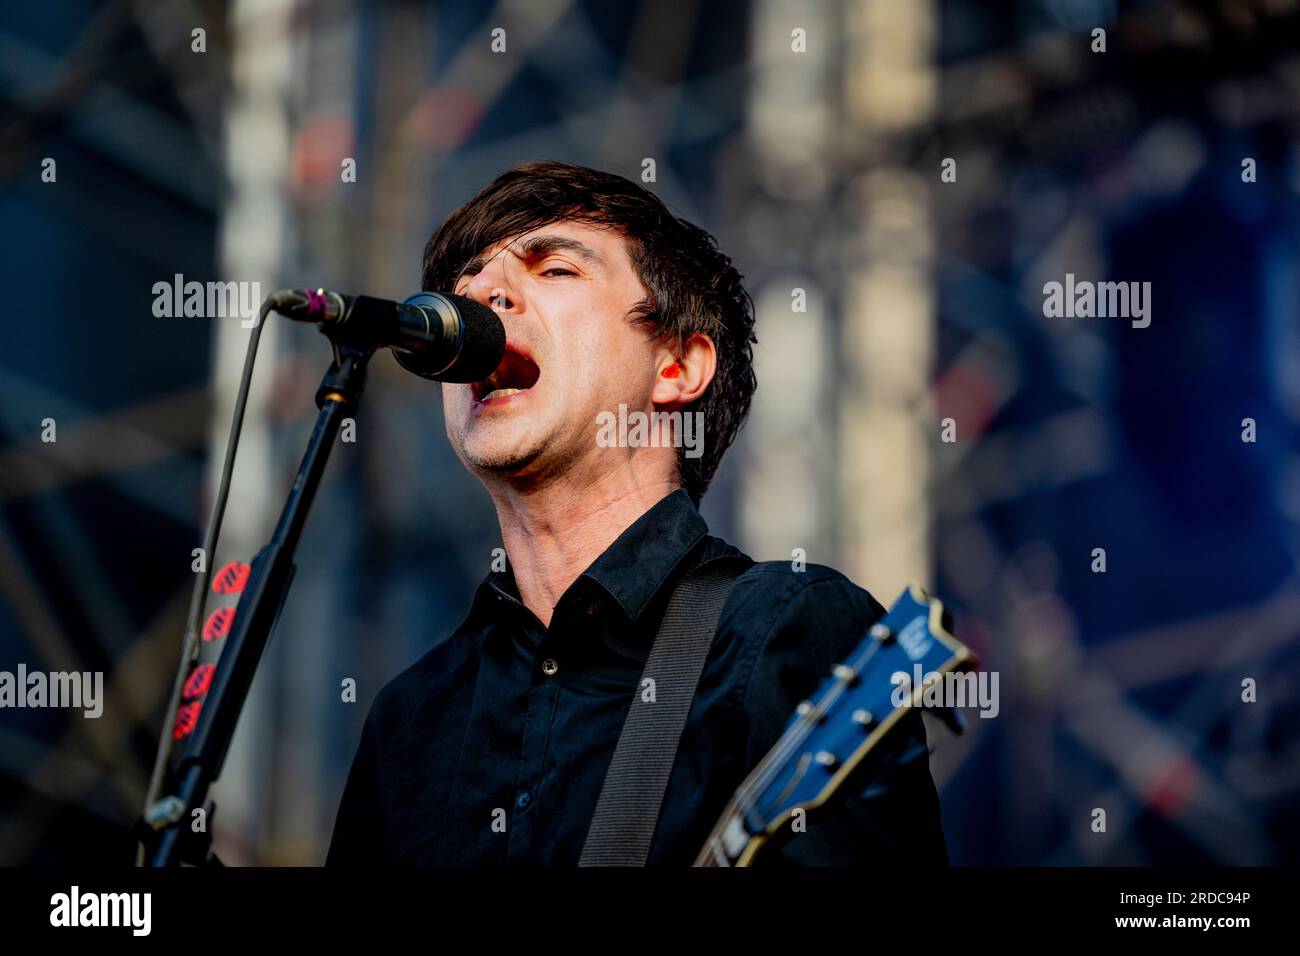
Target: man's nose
489,288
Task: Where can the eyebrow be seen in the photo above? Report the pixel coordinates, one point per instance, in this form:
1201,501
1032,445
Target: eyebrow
540,246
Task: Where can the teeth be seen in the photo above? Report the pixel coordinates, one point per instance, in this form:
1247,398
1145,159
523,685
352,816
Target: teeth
500,393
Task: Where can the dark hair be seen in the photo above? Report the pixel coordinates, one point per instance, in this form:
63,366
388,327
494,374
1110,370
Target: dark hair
692,286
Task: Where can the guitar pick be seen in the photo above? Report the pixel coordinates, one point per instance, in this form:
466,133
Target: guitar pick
218,625
231,578
187,717
197,684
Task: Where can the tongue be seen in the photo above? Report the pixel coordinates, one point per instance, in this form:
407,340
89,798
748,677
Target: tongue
515,371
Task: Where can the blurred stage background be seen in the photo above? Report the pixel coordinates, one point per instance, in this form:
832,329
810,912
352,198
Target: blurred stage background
817,171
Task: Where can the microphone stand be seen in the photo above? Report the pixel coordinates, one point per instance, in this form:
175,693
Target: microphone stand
169,838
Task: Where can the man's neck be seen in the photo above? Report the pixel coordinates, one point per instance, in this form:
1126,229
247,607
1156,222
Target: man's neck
553,534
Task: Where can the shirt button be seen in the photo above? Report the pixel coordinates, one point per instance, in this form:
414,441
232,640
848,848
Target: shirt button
523,800
550,667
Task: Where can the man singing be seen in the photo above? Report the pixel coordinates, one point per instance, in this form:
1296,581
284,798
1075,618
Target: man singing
493,748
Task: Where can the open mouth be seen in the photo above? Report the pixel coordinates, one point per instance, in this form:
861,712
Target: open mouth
516,373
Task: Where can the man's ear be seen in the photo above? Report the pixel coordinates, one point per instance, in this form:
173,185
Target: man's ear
683,377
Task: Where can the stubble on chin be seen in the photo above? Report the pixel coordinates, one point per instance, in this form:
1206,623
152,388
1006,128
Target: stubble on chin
498,454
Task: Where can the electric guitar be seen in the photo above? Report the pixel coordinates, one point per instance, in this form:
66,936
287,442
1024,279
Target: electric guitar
851,713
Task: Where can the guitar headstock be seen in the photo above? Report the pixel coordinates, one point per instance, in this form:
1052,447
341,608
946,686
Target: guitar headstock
899,665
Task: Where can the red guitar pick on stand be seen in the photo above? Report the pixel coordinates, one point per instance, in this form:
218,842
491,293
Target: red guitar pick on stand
218,625
197,684
231,578
187,717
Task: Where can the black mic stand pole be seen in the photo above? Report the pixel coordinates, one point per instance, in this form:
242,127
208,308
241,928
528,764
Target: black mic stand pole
172,839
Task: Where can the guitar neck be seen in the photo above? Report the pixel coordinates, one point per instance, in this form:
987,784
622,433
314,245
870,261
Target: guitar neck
829,736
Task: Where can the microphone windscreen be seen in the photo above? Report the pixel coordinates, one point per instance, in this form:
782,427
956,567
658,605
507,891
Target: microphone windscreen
484,342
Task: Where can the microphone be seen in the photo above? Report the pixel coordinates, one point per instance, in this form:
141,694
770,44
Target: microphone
439,336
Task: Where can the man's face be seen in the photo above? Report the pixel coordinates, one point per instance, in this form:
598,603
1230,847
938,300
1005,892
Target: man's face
563,292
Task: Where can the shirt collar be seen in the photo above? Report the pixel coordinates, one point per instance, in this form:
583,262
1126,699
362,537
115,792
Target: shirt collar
636,567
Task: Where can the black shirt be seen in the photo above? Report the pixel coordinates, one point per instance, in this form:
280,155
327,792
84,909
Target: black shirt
493,747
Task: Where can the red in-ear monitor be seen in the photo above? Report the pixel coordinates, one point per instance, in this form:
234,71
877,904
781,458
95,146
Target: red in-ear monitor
672,371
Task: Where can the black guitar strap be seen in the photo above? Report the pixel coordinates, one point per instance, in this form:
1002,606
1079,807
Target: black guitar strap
632,796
